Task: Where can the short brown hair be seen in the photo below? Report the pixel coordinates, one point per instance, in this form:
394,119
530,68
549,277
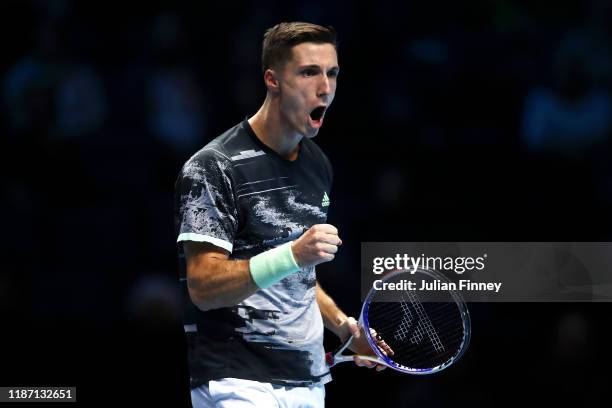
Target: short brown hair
279,40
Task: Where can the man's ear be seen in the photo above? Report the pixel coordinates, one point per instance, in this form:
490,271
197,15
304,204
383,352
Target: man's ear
271,81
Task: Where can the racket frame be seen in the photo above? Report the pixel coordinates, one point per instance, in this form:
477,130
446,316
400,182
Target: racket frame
381,358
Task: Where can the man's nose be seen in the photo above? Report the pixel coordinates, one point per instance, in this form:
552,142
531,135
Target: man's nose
324,87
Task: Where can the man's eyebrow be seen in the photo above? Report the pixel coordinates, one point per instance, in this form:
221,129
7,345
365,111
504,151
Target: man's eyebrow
315,66
309,66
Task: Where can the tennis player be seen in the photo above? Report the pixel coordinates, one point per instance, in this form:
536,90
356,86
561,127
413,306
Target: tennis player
251,219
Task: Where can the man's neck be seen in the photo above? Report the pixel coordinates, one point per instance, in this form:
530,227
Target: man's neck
271,129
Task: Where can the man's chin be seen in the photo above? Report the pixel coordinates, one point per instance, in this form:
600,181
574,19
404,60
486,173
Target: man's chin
312,133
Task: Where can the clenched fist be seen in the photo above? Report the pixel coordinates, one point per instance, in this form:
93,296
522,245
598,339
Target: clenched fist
317,245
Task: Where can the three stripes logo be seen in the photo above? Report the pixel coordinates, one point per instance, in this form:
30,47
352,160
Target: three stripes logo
325,202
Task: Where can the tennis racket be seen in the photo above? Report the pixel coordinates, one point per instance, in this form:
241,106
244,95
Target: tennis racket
428,330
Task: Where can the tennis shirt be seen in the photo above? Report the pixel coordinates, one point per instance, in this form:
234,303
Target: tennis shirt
240,195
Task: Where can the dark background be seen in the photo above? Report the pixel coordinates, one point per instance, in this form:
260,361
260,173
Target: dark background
458,121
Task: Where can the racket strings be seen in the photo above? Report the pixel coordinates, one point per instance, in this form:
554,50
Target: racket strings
424,357
422,335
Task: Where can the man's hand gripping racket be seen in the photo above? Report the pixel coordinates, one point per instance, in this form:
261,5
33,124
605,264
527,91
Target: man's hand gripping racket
358,343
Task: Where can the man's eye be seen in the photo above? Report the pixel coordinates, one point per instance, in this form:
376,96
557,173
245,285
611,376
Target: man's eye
309,72
332,74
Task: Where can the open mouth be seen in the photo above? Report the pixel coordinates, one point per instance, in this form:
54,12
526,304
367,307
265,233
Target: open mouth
317,113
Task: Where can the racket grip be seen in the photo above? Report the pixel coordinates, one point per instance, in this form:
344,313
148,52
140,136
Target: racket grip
329,359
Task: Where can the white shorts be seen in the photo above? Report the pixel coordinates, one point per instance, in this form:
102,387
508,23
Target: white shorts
238,393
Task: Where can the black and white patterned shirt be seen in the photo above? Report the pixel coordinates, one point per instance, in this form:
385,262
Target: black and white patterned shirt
240,195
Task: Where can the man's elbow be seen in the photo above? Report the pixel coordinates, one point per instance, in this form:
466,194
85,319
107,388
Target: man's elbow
201,296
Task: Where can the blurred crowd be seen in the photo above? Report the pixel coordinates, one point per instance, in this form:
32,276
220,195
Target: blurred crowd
481,121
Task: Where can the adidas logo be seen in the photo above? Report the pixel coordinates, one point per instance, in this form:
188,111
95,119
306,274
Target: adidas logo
325,202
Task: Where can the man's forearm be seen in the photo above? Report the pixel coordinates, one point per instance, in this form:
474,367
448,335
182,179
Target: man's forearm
333,317
216,283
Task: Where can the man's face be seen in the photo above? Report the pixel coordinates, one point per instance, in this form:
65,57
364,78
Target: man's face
307,86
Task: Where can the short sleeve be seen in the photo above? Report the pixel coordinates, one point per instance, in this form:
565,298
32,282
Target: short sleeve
205,201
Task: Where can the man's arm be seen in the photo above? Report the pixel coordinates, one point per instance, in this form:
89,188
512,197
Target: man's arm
343,326
215,281
334,319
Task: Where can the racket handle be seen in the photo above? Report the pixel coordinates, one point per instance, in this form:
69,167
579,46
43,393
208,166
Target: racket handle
332,359
329,359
